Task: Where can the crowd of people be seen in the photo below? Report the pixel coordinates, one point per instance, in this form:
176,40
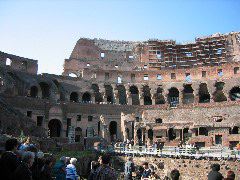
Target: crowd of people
25,162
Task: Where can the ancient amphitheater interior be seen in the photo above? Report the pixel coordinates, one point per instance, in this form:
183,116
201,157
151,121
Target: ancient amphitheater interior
154,90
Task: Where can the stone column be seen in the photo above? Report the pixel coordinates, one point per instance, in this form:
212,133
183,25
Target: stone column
128,95
93,99
141,98
115,94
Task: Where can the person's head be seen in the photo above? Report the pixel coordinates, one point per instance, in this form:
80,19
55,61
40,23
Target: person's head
230,175
27,140
28,158
175,174
145,165
63,159
215,167
73,161
11,144
104,159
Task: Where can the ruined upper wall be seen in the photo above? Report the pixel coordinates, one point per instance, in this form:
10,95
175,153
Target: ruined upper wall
155,54
18,63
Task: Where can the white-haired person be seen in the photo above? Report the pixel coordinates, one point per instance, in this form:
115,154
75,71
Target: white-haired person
71,173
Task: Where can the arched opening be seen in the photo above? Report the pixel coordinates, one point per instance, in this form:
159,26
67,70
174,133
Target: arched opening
234,94
159,121
139,136
204,96
173,97
8,62
74,97
97,94
171,134
109,94
218,95
122,94
33,92
78,134
54,127
113,130
185,134
135,95
127,133
89,132
235,130
45,90
203,131
159,96
72,75
147,95
150,135
188,96
86,98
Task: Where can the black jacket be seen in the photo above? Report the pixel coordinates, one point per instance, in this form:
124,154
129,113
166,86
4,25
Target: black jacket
215,175
23,172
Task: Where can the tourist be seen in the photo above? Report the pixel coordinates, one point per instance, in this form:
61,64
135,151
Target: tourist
214,174
139,173
71,173
60,169
46,171
25,144
94,167
146,172
104,171
23,171
175,174
129,169
37,165
9,160
230,175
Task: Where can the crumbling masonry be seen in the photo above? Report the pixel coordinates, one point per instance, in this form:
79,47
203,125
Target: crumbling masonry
146,91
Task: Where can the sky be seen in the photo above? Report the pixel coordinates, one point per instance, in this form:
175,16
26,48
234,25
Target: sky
48,30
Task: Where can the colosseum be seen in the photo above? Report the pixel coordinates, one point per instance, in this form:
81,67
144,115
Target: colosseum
154,90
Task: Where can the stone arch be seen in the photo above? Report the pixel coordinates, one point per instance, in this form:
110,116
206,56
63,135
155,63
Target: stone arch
74,97
109,94
78,134
122,94
54,127
171,134
173,96
234,93
204,96
135,95
33,91
86,97
159,96
188,96
113,130
97,94
147,95
45,88
218,95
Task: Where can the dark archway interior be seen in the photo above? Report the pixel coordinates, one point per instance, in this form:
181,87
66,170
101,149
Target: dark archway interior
204,96
171,134
139,135
235,93
135,95
203,131
78,134
173,97
98,96
86,98
218,95
113,130
150,134
122,94
45,90
159,96
33,92
109,94
128,133
74,97
54,127
147,95
235,130
188,96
